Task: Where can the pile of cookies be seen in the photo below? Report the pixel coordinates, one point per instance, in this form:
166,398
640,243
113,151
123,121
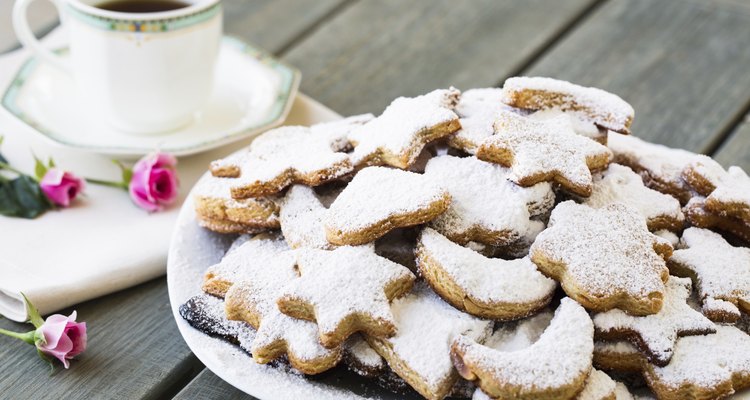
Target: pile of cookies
496,243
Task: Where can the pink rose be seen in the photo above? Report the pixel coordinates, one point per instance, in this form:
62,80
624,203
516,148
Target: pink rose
154,183
64,338
61,187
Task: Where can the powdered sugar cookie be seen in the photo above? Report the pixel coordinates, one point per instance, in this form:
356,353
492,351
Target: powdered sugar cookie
660,166
286,155
246,255
602,108
254,301
301,217
620,184
604,258
620,356
583,127
345,290
698,215
215,209
380,199
555,366
485,206
481,286
727,192
599,386
544,151
720,272
656,334
478,109
398,135
420,351
704,367
362,359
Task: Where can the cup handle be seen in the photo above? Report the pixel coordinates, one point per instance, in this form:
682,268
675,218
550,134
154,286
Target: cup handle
26,35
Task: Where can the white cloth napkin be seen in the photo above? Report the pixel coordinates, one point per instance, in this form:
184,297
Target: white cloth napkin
102,244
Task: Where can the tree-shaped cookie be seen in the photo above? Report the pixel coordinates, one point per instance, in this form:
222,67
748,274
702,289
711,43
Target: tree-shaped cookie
655,335
720,272
604,258
602,108
215,209
704,367
345,290
381,199
727,192
620,184
486,287
544,151
420,351
286,155
485,206
244,257
301,217
398,135
555,366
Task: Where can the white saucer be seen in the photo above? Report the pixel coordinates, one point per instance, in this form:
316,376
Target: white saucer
253,92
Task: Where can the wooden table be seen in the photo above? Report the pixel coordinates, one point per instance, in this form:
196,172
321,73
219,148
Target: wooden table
683,64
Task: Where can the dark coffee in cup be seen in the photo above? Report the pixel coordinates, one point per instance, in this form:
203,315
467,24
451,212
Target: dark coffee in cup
142,6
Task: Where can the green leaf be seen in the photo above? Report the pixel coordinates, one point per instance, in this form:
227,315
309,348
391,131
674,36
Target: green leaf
39,168
22,197
34,316
51,163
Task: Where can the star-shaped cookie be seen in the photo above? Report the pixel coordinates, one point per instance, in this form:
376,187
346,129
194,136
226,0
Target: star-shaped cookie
699,216
253,300
301,217
544,151
478,109
604,258
704,367
655,335
602,108
380,199
485,206
620,184
720,272
486,287
420,351
287,155
555,366
398,135
345,290
727,192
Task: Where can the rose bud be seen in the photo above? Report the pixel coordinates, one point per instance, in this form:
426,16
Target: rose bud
154,182
61,187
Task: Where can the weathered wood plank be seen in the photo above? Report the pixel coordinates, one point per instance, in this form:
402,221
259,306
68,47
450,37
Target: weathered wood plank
208,386
736,149
682,64
135,351
273,24
374,51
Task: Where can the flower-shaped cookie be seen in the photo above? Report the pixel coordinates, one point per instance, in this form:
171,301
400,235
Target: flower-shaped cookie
555,366
381,199
485,206
602,108
544,151
720,272
486,287
398,135
655,335
345,290
604,258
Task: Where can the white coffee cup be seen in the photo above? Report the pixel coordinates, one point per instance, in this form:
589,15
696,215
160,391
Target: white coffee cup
145,73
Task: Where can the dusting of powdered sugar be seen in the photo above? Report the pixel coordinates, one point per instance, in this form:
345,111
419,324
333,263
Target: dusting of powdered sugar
397,130
670,237
601,107
484,199
379,193
733,187
620,184
659,332
561,355
580,122
491,280
246,256
363,354
598,386
478,109
512,336
301,217
722,271
606,251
